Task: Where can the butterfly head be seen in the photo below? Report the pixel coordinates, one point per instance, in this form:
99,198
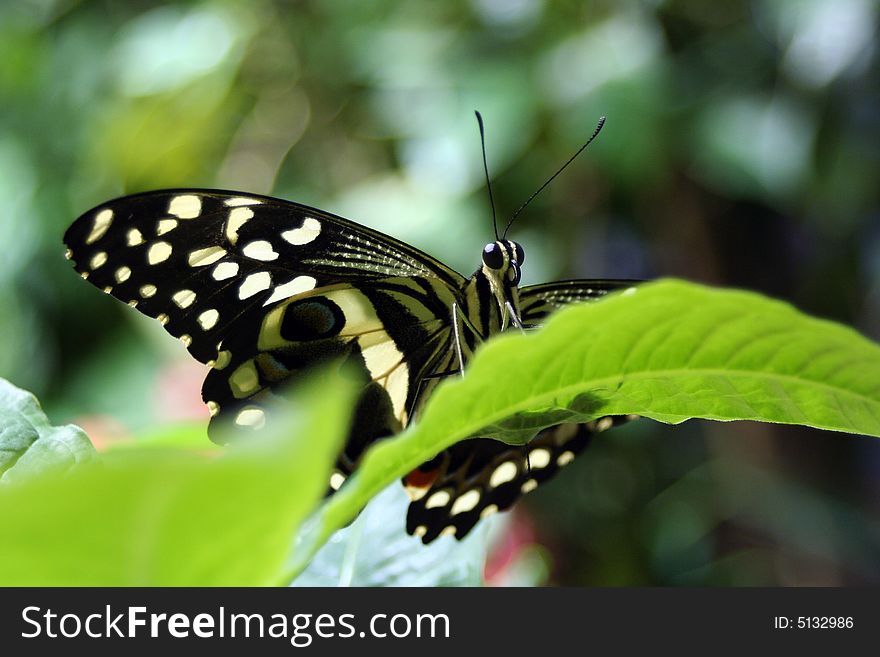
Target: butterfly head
502,263
502,267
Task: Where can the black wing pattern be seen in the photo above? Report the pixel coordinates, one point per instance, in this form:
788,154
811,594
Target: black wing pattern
538,301
476,478
259,288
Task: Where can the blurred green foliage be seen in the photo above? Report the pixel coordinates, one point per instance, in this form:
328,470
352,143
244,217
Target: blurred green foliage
165,514
742,148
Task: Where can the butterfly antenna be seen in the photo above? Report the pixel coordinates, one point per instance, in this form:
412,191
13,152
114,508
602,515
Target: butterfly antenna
549,180
486,170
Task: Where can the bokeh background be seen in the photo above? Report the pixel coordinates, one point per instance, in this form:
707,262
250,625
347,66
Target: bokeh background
742,148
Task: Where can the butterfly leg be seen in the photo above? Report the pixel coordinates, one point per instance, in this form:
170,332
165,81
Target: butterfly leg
459,322
456,335
514,318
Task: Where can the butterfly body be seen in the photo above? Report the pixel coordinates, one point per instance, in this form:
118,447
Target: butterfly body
261,289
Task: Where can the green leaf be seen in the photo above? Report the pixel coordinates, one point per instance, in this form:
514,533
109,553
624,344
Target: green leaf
668,350
29,444
175,517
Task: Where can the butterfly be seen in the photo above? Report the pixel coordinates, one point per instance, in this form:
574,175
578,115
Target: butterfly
260,289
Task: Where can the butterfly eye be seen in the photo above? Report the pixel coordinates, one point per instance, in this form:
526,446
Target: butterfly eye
518,253
493,258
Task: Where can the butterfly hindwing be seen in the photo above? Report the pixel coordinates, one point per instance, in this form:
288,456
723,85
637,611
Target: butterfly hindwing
539,301
387,332
476,478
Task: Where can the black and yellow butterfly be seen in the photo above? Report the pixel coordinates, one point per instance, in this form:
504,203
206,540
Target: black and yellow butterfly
259,289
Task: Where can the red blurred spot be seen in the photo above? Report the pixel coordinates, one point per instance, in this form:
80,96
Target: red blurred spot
519,534
178,392
420,479
103,430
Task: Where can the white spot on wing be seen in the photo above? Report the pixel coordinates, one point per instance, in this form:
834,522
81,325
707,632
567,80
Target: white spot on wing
236,201
529,486
165,226
260,250
238,217
122,274
438,499
254,284
147,290
336,480
306,233
158,252
98,259
505,472
225,270
298,285
565,458
185,206
102,222
206,256
539,458
208,319
184,298
134,237
466,502
251,417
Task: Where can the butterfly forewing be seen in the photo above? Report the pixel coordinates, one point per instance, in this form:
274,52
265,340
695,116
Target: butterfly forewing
199,260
